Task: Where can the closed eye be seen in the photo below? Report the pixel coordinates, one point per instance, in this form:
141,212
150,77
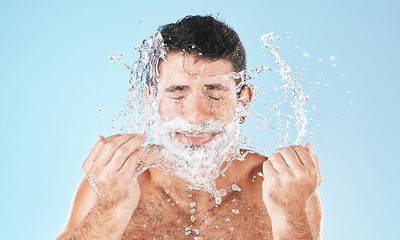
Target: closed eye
178,98
215,98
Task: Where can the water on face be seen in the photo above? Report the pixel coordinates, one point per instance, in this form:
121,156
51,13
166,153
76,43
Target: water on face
200,165
283,116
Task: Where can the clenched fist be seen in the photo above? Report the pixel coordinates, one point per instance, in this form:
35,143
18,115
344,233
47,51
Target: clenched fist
110,168
291,176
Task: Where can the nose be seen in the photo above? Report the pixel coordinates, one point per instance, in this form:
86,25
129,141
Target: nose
195,110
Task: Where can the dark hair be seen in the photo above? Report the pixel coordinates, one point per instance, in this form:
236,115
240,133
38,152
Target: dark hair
205,37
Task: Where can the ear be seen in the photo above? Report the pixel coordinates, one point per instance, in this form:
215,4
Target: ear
246,95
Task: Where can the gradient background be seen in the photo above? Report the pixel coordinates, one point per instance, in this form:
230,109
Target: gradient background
55,69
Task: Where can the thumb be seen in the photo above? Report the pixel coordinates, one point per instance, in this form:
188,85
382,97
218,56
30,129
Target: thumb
308,146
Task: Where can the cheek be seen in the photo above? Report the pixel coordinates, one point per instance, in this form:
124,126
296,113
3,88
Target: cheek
223,110
168,110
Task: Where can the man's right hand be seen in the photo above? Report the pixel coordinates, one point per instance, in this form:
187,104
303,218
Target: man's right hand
110,168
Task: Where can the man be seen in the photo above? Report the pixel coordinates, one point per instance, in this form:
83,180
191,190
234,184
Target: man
197,102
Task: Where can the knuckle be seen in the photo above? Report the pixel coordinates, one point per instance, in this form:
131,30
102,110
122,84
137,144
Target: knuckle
85,166
110,146
101,142
121,151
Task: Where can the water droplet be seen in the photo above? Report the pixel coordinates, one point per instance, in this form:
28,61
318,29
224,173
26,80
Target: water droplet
236,211
192,210
236,188
100,108
192,218
192,204
332,58
260,174
334,65
314,107
320,60
144,225
296,47
231,229
306,55
227,219
141,20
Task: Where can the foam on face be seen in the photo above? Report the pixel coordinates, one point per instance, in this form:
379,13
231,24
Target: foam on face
199,165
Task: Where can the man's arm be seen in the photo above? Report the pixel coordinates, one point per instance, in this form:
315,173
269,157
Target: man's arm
305,224
102,208
291,178
83,201
90,220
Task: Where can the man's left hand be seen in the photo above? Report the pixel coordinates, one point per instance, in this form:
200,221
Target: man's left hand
291,176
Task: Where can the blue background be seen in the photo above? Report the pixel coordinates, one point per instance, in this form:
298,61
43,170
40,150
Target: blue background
55,69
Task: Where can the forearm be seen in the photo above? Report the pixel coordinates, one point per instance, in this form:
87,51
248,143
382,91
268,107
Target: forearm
294,227
105,221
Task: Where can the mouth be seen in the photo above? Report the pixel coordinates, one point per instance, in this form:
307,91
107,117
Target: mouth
195,138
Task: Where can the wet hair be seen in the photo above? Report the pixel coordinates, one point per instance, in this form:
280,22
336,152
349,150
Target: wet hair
206,38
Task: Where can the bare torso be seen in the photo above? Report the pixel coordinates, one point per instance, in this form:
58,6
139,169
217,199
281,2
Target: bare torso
167,212
166,208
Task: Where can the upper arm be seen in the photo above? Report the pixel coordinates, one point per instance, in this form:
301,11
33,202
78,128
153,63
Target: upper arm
314,213
84,199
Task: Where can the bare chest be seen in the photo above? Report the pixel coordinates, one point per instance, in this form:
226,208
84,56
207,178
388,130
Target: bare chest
158,217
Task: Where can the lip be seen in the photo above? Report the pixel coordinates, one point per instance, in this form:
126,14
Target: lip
195,138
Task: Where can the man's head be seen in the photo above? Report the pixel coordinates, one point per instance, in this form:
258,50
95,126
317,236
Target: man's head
197,79
197,95
205,38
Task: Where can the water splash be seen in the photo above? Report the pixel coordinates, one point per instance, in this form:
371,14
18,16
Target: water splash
138,114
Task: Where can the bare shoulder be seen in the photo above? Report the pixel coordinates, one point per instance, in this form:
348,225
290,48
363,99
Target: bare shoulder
252,163
248,172
83,201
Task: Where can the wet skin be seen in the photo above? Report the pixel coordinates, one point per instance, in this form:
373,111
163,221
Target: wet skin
282,203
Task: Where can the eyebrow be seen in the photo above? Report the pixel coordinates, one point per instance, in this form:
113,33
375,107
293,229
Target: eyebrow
177,88
216,86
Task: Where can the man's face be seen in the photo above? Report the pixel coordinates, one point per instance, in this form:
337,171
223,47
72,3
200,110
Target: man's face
197,123
197,90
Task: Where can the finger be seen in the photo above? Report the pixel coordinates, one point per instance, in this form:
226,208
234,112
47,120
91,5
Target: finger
93,153
268,169
308,146
153,154
278,162
110,138
99,137
304,156
290,157
132,161
125,150
109,148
